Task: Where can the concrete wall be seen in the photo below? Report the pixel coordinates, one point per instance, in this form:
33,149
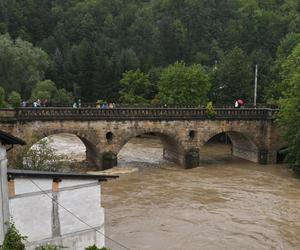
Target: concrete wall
40,218
4,211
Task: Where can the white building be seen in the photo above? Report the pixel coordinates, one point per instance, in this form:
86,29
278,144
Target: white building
56,208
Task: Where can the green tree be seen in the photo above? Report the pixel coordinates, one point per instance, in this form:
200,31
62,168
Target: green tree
233,78
2,98
91,43
183,85
47,90
276,89
14,99
44,90
41,156
63,97
135,87
21,65
289,115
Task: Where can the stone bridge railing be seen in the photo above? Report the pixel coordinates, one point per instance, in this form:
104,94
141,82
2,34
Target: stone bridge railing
48,114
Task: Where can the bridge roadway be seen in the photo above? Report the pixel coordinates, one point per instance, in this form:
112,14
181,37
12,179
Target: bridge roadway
183,131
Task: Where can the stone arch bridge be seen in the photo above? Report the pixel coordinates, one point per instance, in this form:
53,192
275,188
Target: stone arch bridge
183,131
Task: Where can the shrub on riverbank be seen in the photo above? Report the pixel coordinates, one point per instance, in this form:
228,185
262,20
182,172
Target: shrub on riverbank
13,240
94,247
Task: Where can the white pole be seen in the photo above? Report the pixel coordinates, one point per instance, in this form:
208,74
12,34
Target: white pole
255,86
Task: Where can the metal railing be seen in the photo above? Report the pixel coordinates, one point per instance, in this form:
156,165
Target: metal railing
32,114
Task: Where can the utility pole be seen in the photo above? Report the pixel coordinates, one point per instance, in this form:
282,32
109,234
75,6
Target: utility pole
255,86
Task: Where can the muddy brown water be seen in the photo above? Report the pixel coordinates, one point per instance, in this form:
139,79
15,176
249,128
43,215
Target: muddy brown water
226,203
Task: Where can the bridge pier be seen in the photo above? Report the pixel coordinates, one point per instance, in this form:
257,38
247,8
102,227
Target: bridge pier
172,156
261,155
250,154
192,158
93,158
109,160
189,160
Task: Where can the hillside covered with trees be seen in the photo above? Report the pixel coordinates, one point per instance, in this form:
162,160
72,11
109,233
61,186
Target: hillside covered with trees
85,47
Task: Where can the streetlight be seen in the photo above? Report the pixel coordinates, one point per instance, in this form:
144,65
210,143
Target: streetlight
255,86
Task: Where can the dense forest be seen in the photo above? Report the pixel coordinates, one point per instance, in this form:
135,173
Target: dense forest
86,46
153,51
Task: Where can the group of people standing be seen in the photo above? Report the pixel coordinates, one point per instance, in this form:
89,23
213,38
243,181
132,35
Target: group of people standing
105,105
35,104
99,104
77,104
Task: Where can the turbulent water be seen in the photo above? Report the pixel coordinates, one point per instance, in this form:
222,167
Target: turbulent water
226,203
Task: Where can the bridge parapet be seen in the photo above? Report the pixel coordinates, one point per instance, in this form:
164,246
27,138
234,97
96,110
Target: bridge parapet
183,131
7,114
31,114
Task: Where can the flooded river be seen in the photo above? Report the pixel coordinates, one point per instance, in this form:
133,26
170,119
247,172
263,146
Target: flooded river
226,203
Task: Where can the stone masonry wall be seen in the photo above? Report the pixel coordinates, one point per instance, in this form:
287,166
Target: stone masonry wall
110,136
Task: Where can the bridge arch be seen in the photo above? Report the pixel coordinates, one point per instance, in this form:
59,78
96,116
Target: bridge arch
173,147
243,145
106,130
88,138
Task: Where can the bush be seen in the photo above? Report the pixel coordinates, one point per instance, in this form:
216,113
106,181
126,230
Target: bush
210,110
14,99
39,157
49,247
13,239
42,157
2,98
94,247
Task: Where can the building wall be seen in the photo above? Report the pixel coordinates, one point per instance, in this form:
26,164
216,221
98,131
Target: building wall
4,212
44,219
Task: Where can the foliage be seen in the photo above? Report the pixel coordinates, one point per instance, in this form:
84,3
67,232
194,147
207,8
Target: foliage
233,78
63,97
21,64
289,115
47,90
182,84
2,98
210,111
94,247
277,87
13,240
135,87
14,99
43,90
49,247
39,157
90,44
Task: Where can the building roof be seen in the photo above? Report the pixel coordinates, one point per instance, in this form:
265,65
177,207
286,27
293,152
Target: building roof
12,173
9,139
